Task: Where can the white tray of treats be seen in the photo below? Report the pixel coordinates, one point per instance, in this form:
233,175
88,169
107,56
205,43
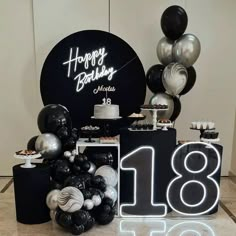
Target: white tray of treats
27,155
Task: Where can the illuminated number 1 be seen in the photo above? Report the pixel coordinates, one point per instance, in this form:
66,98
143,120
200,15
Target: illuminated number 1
141,162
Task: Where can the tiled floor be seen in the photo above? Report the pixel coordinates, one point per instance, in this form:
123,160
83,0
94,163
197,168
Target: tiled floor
220,224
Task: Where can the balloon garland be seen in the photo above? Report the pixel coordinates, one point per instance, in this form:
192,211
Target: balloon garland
82,184
177,52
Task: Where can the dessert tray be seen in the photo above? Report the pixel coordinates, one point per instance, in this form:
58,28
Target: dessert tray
90,131
27,155
165,126
114,118
210,140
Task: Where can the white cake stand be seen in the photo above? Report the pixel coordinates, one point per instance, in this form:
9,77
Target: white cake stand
27,159
165,126
154,115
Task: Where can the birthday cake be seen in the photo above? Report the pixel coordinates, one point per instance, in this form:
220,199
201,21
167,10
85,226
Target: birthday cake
105,111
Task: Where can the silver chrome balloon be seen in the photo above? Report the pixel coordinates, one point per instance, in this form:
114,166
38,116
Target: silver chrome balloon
49,145
165,99
186,50
174,78
164,51
92,168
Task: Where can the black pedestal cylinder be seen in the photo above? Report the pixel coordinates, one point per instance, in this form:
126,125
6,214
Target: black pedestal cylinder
31,188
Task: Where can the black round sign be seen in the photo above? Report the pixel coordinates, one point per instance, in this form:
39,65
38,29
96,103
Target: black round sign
93,67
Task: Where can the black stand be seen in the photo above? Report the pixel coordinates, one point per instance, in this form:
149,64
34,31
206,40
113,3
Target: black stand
31,188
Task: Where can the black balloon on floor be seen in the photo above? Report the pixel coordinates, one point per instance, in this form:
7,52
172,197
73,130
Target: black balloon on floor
77,229
174,21
31,143
80,217
154,78
192,75
52,117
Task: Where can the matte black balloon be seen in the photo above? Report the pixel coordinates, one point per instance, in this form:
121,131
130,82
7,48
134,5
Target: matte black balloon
75,181
192,75
154,78
61,170
31,143
64,219
104,218
52,117
55,185
77,229
69,144
174,21
79,217
102,156
85,166
63,133
106,208
86,193
90,223
76,169
75,133
108,201
177,109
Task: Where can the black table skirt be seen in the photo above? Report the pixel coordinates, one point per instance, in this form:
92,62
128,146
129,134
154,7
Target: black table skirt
31,188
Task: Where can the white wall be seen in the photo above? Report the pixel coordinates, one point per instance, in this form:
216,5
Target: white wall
137,22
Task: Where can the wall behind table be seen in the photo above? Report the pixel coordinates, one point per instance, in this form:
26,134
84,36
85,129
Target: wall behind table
137,22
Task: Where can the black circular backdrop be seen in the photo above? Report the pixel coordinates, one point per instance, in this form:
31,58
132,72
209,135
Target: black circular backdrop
69,67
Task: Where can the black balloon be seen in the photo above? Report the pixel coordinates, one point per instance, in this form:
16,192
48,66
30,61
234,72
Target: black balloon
108,201
52,117
174,21
79,217
86,193
90,223
61,170
75,181
69,144
177,109
102,156
31,143
154,78
192,75
64,219
104,218
77,229
63,133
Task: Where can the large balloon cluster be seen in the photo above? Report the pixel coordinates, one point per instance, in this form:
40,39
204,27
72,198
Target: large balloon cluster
177,52
83,185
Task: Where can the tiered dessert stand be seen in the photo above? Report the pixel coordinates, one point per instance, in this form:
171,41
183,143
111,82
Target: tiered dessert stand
154,115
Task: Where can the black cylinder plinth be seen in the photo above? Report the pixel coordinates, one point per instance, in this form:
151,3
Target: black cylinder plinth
31,188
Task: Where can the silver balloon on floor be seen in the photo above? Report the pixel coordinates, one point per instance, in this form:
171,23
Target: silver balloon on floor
164,51
174,78
49,145
186,50
163,98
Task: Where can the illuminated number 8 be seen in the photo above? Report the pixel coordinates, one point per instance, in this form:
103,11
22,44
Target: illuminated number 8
194,191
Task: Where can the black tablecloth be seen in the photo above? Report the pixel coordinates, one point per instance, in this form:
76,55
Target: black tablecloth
31,188
164,143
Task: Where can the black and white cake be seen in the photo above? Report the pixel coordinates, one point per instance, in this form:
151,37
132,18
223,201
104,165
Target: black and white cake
105,111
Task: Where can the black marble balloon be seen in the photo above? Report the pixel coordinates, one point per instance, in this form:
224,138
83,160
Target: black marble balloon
52,117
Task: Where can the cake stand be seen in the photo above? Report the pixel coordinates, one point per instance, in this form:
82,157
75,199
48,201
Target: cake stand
27,159
165,126
90,133
201,130
154,115
133,119
106,124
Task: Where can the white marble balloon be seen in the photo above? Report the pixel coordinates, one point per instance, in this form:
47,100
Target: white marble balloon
109,174
70,199
88,204
51,199
96,200
111,193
